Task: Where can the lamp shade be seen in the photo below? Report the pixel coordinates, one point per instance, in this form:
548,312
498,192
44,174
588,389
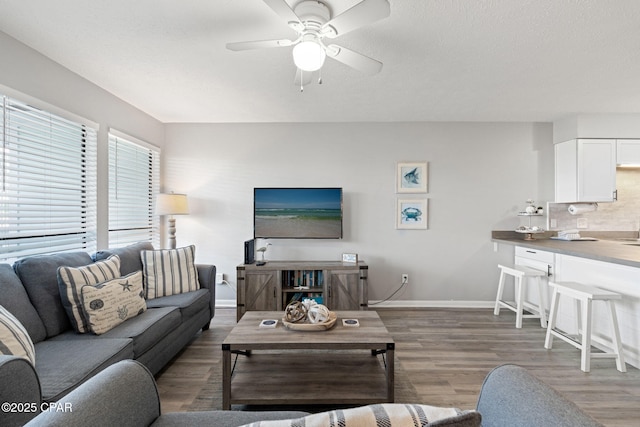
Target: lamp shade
172,204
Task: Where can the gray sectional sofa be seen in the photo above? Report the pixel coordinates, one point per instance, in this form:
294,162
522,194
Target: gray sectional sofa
126,395
65,359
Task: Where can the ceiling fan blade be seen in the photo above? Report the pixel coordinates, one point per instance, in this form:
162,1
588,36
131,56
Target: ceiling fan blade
282,8
363,13
260,44
354,59
303,78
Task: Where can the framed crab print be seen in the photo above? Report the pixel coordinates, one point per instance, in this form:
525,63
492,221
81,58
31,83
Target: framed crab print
411,214
412,177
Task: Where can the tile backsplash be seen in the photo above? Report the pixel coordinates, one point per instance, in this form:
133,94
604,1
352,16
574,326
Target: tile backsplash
621,215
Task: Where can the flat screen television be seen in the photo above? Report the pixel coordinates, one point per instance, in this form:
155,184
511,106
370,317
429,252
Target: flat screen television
297,213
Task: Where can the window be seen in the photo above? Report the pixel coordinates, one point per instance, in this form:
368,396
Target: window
47,182
134,181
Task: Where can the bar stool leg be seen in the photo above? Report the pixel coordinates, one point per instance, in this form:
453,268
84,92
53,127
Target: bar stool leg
496,310
519,300
541,309
553,315
579,317
585,363
617,342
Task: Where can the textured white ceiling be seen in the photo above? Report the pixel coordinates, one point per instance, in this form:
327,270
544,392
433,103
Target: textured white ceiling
453,60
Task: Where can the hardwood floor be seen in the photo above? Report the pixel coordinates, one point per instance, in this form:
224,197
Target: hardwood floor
446,354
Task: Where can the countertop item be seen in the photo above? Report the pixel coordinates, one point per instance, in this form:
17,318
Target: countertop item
574,239
617,251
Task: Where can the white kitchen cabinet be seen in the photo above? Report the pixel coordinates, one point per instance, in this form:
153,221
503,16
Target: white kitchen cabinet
535,258
585,170
540,260
628,152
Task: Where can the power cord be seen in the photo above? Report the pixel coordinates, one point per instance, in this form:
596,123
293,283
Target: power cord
404,282
224,282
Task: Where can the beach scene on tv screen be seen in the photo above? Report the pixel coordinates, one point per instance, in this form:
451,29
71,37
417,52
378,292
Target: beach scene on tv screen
312,213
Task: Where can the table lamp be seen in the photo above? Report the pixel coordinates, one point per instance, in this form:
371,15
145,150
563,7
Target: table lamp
172,204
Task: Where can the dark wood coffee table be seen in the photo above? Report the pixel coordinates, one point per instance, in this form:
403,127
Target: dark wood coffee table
343,365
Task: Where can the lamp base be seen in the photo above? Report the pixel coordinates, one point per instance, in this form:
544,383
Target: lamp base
172,233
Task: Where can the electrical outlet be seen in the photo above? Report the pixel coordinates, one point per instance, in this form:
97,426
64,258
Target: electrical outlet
405,278
582,223
219,278
554,223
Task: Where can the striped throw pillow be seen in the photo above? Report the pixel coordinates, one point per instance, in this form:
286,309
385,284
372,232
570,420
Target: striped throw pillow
384,414
72,279
169,271
14,339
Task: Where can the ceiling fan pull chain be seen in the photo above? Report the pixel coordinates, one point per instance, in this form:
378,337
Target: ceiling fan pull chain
301,81
320,76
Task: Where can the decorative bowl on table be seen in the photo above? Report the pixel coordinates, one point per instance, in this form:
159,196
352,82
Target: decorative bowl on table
308,316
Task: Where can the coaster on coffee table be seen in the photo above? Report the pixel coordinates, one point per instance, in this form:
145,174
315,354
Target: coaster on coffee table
269,323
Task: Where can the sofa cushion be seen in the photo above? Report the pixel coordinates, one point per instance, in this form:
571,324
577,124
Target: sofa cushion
189,303
387,414
14,338
512,395
71,280
14,298
147,329
129,256
169,271
110,303
39,277
62,364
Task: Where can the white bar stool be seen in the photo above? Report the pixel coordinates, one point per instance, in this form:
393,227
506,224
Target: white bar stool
520,273
584,295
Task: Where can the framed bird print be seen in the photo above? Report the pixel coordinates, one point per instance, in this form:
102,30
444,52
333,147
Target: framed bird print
412,177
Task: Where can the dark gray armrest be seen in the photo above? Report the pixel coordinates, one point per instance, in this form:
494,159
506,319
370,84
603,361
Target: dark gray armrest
19,384
207,279
124,394
511,396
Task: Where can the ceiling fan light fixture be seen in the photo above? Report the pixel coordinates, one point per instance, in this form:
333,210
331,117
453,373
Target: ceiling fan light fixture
309,55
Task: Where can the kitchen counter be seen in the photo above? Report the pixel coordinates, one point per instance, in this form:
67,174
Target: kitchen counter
609,263
614,250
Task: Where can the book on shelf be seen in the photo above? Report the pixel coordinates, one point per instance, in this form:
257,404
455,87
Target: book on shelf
296,297
303,279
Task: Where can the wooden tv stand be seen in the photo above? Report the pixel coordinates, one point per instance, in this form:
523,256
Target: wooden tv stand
270,287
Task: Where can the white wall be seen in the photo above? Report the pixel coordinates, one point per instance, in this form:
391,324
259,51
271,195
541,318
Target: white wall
480,175
34,75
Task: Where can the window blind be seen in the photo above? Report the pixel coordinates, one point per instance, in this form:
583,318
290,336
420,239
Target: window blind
47,182
134,182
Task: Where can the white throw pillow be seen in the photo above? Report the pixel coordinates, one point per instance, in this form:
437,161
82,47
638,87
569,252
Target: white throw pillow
14,339
110,303
169,271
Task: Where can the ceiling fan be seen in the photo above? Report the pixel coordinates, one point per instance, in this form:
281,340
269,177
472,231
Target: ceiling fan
315,25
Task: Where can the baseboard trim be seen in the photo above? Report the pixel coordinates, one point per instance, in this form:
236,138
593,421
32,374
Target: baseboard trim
231,303
432,304
226,303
